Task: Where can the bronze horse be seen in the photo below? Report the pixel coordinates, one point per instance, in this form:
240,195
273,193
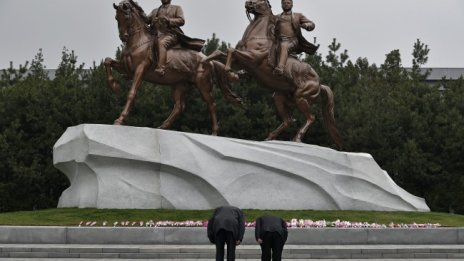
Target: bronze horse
185,69
300,84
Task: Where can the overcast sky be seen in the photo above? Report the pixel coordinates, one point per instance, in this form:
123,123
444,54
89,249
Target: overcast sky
366,28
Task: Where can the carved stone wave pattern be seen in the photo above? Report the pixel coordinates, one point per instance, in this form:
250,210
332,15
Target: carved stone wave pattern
143,168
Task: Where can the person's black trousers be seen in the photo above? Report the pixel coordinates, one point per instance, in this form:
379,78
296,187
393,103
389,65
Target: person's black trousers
272,241
225,237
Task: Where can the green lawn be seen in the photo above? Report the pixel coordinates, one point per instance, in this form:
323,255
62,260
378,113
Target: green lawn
73,216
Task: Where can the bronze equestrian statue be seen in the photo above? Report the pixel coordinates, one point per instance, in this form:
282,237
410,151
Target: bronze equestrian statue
298,85
183,71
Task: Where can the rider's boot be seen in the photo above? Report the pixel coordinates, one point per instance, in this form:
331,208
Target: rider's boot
161,68
279,70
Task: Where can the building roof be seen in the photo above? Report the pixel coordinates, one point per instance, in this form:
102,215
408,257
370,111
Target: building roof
436,74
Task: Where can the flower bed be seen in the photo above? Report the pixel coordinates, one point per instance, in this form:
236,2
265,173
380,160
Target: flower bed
294,223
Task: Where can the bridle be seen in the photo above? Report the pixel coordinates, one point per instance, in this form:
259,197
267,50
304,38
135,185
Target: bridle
127,11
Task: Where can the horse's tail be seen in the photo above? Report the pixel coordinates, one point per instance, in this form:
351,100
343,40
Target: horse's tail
329,118
224,80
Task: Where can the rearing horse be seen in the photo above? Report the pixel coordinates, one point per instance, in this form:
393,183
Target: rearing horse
184,70
300,84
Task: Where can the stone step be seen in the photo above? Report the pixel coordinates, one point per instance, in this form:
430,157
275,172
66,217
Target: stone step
247,252
239,259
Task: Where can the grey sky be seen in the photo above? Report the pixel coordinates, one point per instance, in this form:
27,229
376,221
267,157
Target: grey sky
366,28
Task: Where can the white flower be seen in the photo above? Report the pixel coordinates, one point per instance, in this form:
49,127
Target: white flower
294,222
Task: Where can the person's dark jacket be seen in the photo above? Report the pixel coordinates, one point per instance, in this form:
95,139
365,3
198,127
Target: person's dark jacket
227,218
271,224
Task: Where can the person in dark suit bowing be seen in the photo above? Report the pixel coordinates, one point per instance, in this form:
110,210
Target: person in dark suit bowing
226,226
271,234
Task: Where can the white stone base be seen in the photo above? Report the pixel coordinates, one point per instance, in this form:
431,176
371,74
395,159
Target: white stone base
129,167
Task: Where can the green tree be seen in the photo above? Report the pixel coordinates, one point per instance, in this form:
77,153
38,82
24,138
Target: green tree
214,44
420,57
11,76
37,69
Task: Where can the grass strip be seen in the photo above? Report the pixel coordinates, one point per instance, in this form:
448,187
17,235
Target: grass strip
73,216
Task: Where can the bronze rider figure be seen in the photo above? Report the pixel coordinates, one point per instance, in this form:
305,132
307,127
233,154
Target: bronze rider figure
167,19
289,36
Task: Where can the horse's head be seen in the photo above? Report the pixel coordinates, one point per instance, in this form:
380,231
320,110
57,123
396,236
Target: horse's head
258,7
131,18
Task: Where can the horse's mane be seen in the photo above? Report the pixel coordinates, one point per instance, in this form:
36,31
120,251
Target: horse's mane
139,10
268,5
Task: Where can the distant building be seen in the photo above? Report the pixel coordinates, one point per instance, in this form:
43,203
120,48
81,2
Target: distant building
437,74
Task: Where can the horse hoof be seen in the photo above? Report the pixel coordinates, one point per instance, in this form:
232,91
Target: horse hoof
233,77
118,122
